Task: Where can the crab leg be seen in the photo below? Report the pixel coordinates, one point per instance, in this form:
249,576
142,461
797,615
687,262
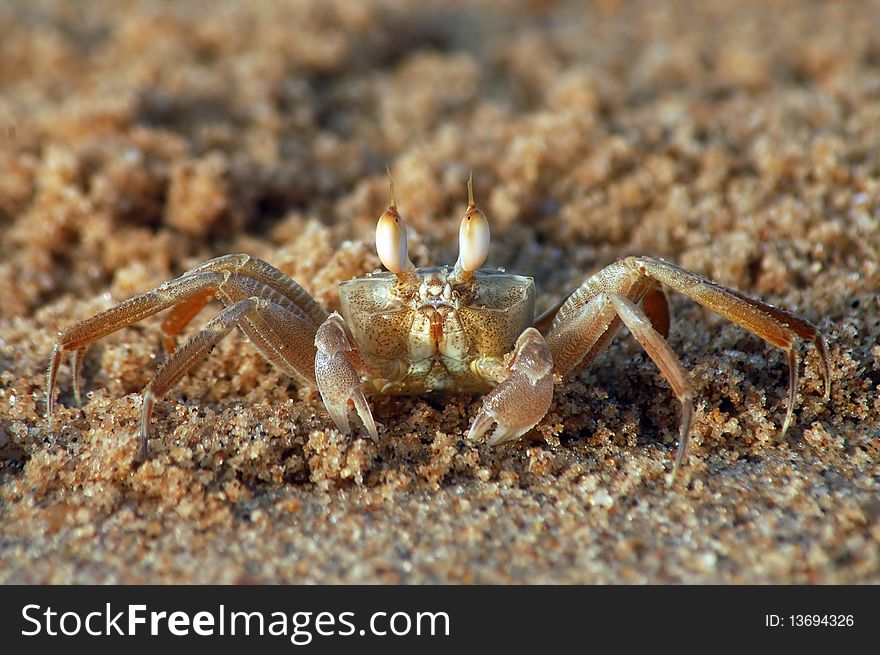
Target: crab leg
259,318
77,337
195,349
76,364
633,276
666,360
772,324
284,333
656,307
281,332
338,380
243,265
267,276
596,322
579,333
180,315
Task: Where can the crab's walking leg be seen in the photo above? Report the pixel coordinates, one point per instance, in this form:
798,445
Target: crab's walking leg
282,329
595,323
264,275
338,380
666,360
193,350
180,315
579,332
256,316
768,322
77,337
654,302
267,276
656,307
522,399
76,363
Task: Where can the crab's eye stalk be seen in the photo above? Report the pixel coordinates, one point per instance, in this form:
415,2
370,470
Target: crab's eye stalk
391,242
391,237
473,236
473,240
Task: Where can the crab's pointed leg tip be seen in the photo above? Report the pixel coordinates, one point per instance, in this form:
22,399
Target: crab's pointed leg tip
141,448
676,466
785,426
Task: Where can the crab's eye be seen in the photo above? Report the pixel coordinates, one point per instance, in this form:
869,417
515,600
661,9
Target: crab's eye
473,235
473,239
391,241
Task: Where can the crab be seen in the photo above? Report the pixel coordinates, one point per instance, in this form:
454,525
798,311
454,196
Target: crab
459,328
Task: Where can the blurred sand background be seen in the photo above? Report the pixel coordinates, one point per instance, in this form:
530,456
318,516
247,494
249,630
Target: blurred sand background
740,140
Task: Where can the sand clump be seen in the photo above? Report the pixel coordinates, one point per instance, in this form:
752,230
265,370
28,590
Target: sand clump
739,141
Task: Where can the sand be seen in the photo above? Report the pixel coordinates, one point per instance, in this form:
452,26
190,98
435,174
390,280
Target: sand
739,140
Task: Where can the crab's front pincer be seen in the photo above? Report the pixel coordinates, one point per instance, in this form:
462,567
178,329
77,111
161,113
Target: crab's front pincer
338,380
523,398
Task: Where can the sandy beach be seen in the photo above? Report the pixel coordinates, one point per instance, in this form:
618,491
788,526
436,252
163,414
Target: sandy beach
738,140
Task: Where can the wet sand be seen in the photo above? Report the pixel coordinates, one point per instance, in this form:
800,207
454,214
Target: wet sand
739,140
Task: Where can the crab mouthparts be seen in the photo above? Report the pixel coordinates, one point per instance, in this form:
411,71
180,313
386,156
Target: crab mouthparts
435,289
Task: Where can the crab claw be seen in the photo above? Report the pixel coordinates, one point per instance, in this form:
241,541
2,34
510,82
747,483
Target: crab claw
523,398
338,380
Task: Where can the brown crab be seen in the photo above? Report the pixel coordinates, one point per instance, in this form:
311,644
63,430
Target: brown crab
410,331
